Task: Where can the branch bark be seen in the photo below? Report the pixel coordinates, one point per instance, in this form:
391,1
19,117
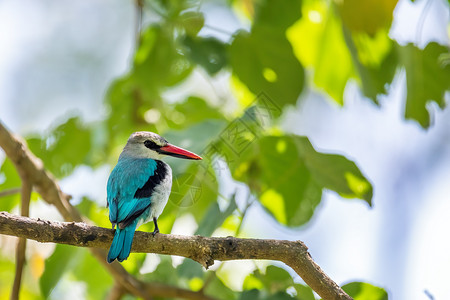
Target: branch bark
204,250
22,243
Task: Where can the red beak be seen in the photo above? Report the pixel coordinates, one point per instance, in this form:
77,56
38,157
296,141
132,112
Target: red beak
178,152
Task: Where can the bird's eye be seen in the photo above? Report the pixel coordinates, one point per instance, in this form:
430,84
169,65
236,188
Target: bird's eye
151,145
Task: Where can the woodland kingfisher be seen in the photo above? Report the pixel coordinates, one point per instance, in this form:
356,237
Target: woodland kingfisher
139,187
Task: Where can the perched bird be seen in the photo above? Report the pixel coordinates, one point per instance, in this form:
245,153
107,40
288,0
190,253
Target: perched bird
139,187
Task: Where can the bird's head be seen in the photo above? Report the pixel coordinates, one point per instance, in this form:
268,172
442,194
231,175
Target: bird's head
145,144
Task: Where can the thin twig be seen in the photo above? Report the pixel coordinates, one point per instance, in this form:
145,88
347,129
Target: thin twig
139,17
22,243
117,292
10,192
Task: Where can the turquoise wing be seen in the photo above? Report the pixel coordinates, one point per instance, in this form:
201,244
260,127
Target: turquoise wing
127,178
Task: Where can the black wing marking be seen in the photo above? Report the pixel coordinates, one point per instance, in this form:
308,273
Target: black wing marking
153,181
146,192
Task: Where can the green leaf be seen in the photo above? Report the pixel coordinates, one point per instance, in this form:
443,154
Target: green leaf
190,112
364,291
193,191
278,15
158,62
128,104
250,294
190,269
304,292
99,282
335,172
367,16
280,296
427,79
214,217
333,65
210,53
375,59
271,285
263,59
272,168
288,175
217,288
66,147
55,267
192,21
276,279
9,179
265,63
165,272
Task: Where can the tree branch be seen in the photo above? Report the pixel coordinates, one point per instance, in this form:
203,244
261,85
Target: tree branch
45,183
12,191
201,249
22,243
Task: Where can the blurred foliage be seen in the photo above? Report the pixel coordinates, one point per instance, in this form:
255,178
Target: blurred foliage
364,291
289,45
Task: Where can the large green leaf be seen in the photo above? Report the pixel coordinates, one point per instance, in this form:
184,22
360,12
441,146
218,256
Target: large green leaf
272,285
288,189
335,172
278,15
288,175
304,292
275,279
192,22
376,61
66,147
337,54
265,63
210,53
263,59
367,16
158,63
333,65
165,272
55,266
365,291
427,79
191,111
190,269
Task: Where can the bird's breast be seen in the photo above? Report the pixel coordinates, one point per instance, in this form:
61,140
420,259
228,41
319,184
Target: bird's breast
161,191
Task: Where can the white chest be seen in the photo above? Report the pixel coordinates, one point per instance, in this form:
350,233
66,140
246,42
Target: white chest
161,194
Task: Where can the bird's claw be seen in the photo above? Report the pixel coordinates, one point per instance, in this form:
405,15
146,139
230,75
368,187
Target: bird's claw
155,232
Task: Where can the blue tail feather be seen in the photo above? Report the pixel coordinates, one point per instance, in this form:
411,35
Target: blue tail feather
121,244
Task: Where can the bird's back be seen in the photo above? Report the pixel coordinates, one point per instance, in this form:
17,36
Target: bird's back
137,188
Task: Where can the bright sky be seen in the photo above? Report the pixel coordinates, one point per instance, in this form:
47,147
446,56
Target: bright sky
401,244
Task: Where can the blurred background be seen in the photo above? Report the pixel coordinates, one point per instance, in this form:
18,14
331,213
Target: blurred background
350,93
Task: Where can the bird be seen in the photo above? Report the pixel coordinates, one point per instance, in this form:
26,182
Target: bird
138,188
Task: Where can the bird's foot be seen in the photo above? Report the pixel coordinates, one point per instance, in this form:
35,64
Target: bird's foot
155,231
